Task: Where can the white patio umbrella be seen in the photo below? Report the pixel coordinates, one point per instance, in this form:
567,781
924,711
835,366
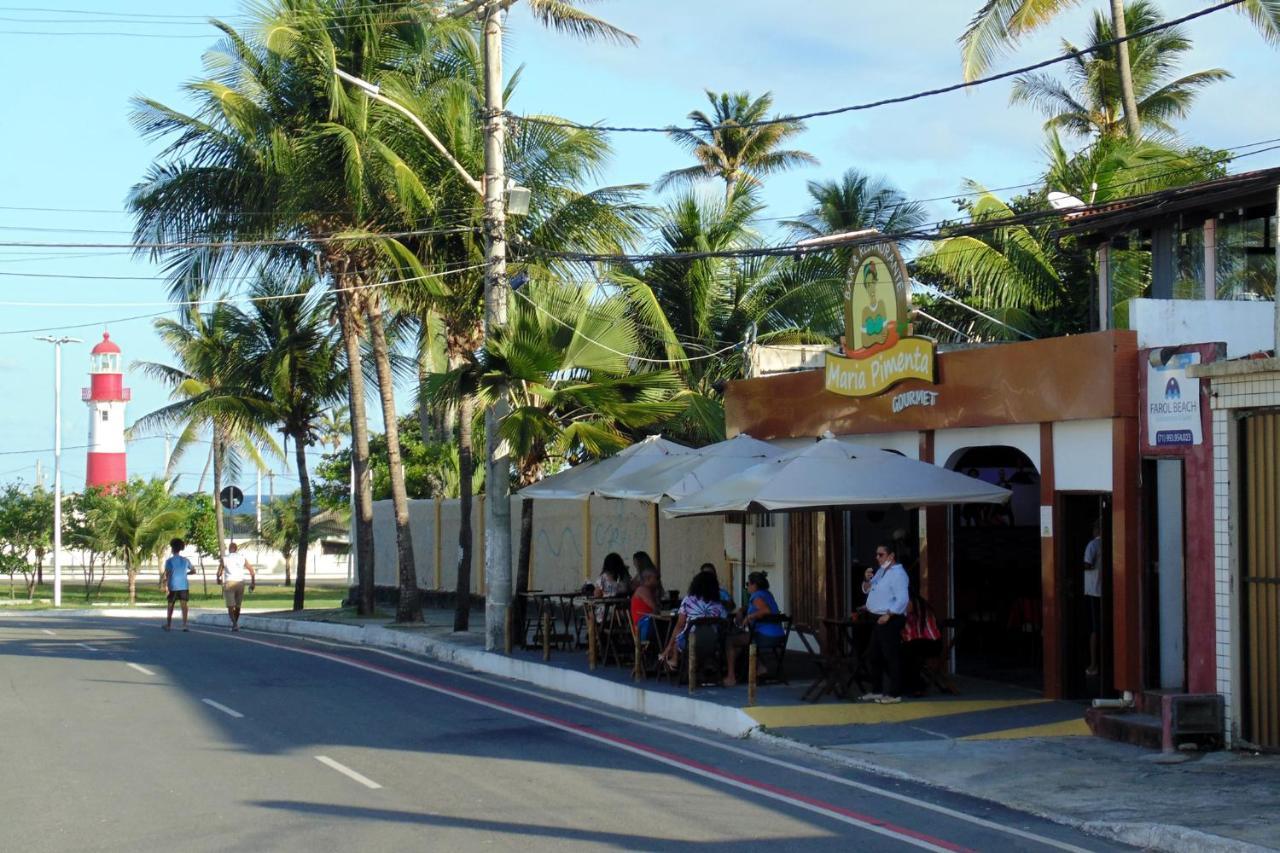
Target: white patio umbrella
833,473
677,476
582,481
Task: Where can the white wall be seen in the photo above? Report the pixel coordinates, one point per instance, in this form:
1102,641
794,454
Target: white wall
1025,437
570,541
1245,326
1082,456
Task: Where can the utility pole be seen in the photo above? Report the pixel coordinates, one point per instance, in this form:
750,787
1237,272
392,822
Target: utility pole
497,517
57,461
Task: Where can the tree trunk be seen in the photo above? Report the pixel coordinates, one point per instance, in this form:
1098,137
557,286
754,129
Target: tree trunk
219,457
304,519
133,584
349,319
466,471
525,559
409,602
497,517
1118,27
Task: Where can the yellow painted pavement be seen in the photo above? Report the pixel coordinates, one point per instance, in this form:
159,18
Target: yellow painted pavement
1066,728
869,713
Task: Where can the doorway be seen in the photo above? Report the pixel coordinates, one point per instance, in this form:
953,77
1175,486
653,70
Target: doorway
1082,618
995,572
1260,580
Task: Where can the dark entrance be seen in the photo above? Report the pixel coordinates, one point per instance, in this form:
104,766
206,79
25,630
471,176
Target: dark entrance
995,583
1076,518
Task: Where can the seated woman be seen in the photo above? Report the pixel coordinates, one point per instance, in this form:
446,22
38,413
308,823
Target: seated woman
614,581
702,602
644,603
726,597
760,603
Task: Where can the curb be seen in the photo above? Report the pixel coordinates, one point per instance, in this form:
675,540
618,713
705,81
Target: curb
678,709
704,715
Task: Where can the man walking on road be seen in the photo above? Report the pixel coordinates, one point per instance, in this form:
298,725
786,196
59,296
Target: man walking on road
176,569
886,589
231,571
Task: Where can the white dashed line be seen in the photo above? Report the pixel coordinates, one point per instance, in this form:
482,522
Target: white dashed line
347,771
47,631
141,669
86,646
223,708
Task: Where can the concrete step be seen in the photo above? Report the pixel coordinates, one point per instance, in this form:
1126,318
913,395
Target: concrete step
1132,727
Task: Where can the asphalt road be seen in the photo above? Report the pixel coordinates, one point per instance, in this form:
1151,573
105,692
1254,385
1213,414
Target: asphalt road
121,736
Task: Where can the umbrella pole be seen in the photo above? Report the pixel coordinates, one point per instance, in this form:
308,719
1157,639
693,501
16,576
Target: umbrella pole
657,535
742,556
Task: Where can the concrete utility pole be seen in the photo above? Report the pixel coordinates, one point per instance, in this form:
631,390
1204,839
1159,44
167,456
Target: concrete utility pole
57,461
497,517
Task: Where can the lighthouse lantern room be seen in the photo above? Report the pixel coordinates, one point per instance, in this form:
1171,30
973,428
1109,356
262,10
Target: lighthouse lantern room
106,397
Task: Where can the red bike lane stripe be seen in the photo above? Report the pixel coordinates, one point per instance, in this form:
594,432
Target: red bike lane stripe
774,792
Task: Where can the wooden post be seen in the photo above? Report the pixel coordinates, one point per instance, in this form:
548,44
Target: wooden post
510,618
692,655
591,635
751,675
546,633
586,539
440,547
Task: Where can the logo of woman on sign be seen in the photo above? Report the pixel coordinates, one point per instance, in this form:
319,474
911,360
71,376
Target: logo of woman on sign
873,307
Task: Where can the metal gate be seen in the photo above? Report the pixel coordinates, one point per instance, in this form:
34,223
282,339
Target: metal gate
1260,468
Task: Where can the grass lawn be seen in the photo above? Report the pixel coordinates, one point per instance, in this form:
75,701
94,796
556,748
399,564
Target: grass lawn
116,593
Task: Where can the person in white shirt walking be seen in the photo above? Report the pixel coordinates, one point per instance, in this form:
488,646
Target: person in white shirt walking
232,569
887,597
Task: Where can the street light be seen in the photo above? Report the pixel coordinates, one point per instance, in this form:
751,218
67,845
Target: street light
57,460
499,197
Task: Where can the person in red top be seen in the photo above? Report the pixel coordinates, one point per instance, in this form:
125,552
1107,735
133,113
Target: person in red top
644,603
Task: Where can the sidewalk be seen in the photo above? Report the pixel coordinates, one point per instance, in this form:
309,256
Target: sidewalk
1012,748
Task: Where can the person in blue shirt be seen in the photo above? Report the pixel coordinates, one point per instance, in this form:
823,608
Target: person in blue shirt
176,570
886,587
760,603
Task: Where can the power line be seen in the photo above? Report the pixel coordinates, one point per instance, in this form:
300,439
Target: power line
192,301
899,99
228,244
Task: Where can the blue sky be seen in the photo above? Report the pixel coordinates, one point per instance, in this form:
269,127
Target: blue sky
67,143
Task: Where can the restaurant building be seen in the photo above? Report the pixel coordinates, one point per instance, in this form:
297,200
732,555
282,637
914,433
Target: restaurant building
1126,426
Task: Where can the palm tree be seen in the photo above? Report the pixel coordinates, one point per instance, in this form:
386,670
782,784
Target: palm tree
207,399
277,150
136,522
695,314
727,146
855,202
286,529
999,24
1089,103
564,365
288,355
557,163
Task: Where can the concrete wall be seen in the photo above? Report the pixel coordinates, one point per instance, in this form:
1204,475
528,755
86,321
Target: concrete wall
1245,326
1231,393
570,541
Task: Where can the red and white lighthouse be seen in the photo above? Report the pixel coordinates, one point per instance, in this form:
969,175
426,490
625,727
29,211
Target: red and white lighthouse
105,396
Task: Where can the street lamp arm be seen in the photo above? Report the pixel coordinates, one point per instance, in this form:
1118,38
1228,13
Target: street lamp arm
373,92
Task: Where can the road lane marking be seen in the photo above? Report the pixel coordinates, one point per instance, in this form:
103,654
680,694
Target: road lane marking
223,708
744,753
141,669
86,646
47,631
348,772
764,789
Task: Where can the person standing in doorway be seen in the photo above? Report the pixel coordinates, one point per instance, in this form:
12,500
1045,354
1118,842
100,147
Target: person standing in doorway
231,571
886,588
176,569
1093,595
